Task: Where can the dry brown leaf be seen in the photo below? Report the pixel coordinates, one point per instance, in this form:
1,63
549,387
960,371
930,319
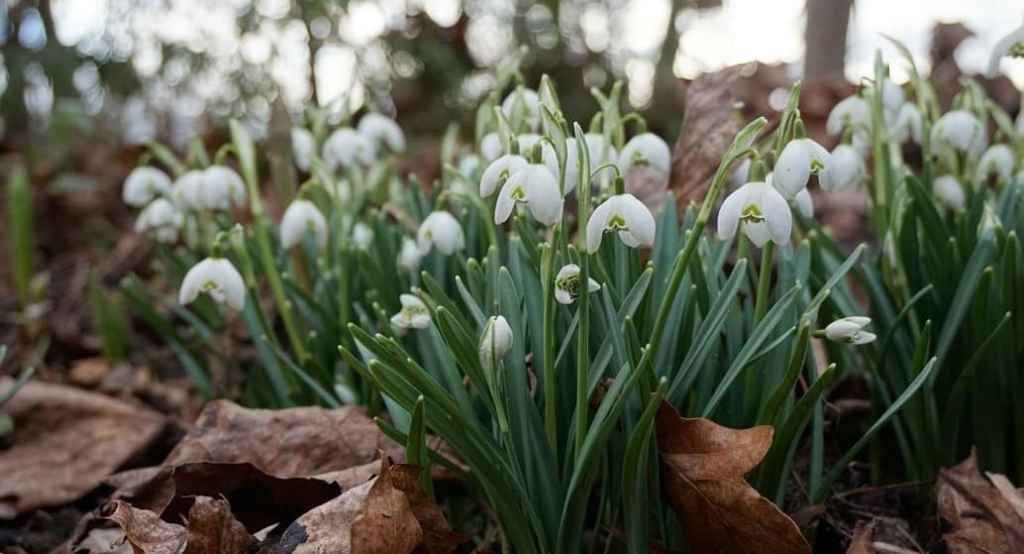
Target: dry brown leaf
703,465
65,443
209,527
145,531
213,528
862,539
983,515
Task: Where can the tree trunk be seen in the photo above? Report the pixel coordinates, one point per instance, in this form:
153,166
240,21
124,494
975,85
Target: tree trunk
825,38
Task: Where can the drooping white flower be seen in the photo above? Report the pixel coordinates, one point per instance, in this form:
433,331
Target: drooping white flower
499,171
525,101
215,188
998,159
216,277
409,255
144,184
535,187
346,147
490,146
362,236
907,124
762,212
495,341
441,230
949,191
646,149
960,130
187,189
567,284
302,216
303,147
800,159
382,130
526,143
850,330
1011,44
469,164
850,111
414,314
598,150
162,218
804,203
625,215
892,96
844,170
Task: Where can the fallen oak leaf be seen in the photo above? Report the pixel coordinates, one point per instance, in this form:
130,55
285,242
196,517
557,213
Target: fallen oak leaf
145,531
981,515
703,465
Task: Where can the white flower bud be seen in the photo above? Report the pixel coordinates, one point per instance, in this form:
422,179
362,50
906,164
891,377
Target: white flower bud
380,129
960,130
850,330
998,159
302,216
567,284
850,111
409,255
623,214
762,211
892,96
216,277
144,184
646,149
949,191
535,187
161,217
800,159
442,230
843,171
346,147
495,342
303,148
362,236
414,314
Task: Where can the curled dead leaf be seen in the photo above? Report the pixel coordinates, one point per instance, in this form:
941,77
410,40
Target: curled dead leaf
984,514
703,468
208,527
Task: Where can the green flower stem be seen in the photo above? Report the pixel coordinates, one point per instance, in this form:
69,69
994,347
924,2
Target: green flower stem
764,281
583,334
261,233
547,271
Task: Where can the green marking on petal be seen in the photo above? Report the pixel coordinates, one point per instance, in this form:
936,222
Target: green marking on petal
1017,50
752,213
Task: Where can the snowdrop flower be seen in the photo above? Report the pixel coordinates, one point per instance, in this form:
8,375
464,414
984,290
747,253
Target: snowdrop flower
362,236
469,165
762,211
303,147
844,171
302,216
798,161
499,171
144,184
409,255
490,146
526,143
216,277
892,96
221,188
960,130
997,159
441,230
537,188
347,147
163,218
850,330
1010,45
624,214
948,190
187,189
414,314
380,129
495,341
598,151
567,284
851,111
526,100
647,149
804,203
907,124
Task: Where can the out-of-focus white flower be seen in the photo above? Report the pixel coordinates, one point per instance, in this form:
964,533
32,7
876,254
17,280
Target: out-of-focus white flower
844,171
960,130
187,189
222,188
892,96
907,125
414,314
380,129
949,191
499,171
1012,45
741,175
646,149
761,210
347,147
441,230
362,236
409,255
800,159
495,341
537,188
525,101
216,277
490,146
469,165
567,284
302,216
526,143
804,203
625,215
144,184
850,111
303,147
997,159
598,150
850,330
162,218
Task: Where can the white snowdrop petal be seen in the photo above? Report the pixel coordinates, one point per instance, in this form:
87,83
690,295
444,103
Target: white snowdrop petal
793,168
440,229
757,232
844,170
221,187
542,194
639,219
302,215
216,277
646,148
949,191
729,213
562,296
804,203
347,147
740,175
144,184
526,100
362,236
409,256
490,146
596,226
960,130
506,203
998,160
380,129
852,110
499,171
303,147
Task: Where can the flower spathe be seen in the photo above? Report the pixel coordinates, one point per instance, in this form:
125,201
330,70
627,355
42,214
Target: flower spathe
144,184
625,215
761,211
216,277
162,218
800,159
347,147
567,284
535,187
495,341
845,170
850,330
303,148
302,216
646,149
382,130
414,314
960,130
998,160
440,230
949,191
499,171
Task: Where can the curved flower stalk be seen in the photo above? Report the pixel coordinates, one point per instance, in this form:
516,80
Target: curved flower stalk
761,211
959,130
216,277
646,149
347,147
499,171
381,130
625,215
537,188
526,100
568,286
409,255
362,236
998,160
950,192
303,148
162,218
800,159
302,216
440,230
414,315
144,184
850,330
845,170
495,341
